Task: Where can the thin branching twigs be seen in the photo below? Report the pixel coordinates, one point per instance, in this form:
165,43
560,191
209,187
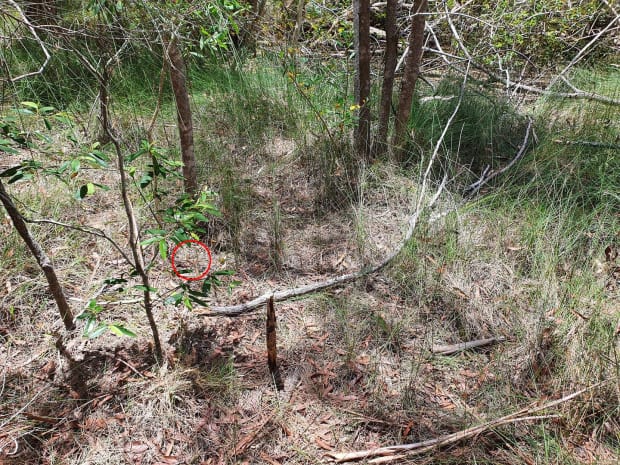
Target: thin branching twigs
487,175
33,31
85,229
391,453
510,83
420,206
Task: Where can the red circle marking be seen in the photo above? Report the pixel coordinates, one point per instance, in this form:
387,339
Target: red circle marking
189,278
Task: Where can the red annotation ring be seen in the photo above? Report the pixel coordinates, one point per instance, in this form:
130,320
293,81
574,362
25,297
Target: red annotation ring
190,278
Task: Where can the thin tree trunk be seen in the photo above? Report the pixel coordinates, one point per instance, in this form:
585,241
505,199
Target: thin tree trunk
134,241
103,104
410,77
184,116
391,57
42,259
361,15
299,21
136,249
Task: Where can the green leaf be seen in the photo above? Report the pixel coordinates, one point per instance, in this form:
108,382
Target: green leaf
101,186
134,155
86,189
198,301
112,281
47,124
10,172
150,240
32,105
97,332
5,147
146,180
224,273
140,287
156,232
163,249
75,165
120,330
174,299
20,175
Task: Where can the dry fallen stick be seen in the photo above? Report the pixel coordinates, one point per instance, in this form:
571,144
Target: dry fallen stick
391,453
454,348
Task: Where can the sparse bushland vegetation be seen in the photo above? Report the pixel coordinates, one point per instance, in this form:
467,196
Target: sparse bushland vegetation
284,201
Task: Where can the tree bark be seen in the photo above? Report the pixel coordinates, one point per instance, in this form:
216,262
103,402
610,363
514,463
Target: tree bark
391,57
103,104
410,77
178,75
42,259
361,15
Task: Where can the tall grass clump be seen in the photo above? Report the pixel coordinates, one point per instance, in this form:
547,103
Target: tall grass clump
564,204
486,130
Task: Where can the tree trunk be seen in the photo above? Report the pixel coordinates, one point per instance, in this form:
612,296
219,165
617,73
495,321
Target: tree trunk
104,138
184,116
361,15
410,77
299,22
42,259
390,59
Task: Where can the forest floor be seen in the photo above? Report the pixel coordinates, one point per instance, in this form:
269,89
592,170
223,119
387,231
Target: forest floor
359,362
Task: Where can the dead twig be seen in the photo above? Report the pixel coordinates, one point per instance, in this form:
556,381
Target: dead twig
462,346
33,31
391,453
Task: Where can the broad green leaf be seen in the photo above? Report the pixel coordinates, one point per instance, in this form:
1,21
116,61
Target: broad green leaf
20,176
86,189
120,330
150,240
174,299
140,287
224,273
32,105
97,332
10,172
163,249
146,180
75,165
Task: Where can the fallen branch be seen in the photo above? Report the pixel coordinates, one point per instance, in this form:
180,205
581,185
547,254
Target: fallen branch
391,453
487,175
460,347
